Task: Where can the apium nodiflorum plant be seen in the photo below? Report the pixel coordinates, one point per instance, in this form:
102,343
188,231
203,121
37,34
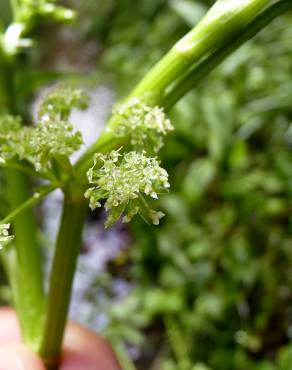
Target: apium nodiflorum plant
120,171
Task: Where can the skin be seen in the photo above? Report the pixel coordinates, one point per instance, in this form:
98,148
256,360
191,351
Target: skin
83,349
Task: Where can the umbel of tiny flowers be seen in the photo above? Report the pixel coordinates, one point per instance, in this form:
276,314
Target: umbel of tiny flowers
59,103
5,238
125,180
53,137
145,125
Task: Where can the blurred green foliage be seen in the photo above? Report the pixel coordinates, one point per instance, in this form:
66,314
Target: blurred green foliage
213,282
132,35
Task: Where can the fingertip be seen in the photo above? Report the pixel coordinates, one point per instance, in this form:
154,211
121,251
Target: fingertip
19,357
84,349
9,326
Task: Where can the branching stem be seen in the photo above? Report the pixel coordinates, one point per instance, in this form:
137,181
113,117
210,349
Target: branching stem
190,79
35,199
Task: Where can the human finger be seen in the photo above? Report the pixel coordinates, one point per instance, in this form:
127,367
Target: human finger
19,357
9,327
84,350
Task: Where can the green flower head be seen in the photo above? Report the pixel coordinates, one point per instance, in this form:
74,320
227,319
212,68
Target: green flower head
125,180
145,125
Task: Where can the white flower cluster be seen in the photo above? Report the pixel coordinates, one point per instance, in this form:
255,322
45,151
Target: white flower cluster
50,140
5,238
146,125
52,137
124,181
59,103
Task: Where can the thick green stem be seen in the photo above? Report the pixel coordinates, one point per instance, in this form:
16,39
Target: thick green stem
27,283
61,279
201,70
23,260
221,22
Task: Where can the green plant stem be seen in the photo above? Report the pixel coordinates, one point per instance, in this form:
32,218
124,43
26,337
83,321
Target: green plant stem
61,278
201,70
221,22
23,260
29,203
28,284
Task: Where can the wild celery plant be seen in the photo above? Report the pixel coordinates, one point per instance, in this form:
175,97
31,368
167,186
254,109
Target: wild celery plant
121,168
